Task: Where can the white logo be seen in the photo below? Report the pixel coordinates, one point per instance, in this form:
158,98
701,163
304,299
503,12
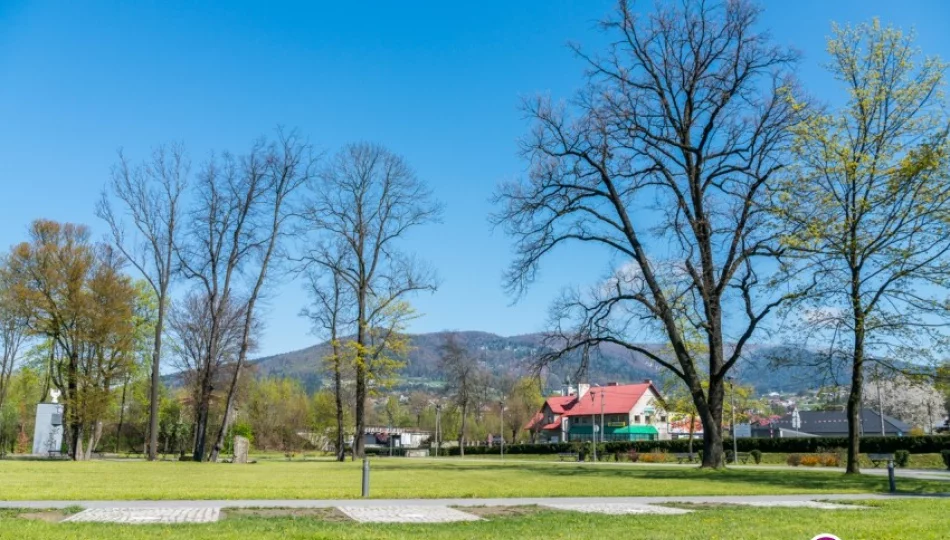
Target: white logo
54,395
826,536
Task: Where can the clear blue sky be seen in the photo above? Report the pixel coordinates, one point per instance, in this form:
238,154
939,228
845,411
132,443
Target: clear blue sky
438,82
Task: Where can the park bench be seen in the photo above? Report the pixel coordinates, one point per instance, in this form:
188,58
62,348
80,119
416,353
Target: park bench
877,459
684,456
569,456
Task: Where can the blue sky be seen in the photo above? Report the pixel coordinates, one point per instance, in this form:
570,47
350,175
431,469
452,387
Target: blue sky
438,82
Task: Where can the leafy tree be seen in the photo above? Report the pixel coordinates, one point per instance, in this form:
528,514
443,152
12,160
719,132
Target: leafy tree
867,205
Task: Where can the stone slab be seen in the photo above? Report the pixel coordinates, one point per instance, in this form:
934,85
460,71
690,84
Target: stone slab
801,504
406,514
147,515
616,509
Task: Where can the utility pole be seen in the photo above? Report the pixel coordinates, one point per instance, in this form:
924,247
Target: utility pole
735,442
593,427
880,399
602,424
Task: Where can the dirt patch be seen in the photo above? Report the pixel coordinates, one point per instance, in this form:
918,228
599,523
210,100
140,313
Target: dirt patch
322,514
489,512
49,516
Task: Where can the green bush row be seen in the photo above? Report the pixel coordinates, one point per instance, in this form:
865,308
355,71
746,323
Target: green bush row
927,444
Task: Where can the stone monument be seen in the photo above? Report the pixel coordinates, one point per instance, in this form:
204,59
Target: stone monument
48,433
241,448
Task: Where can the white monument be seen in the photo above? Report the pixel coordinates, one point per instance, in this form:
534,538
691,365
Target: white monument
48,433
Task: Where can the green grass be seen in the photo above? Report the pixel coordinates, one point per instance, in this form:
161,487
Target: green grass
888,520
407,478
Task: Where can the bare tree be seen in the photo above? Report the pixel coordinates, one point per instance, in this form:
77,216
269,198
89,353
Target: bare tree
664,159
332,317
274,174
14,327
867,208
465,382
234,232
367,200
150,197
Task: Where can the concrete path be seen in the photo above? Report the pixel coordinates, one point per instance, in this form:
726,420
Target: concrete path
522,501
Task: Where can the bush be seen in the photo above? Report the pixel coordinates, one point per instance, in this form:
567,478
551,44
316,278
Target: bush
794,460
829,459
653,457
945,454
810,461
633,456
901,458
756,456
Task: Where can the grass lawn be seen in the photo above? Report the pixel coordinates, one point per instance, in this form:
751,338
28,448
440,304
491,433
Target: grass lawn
887,520
410,478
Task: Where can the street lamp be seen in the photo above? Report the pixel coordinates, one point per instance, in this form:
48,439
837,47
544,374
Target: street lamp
735,439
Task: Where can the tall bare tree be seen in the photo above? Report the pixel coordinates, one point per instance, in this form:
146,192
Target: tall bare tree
332,317
367,200
235,228
274,174
868,208
465,381
150,198
14,327
664,160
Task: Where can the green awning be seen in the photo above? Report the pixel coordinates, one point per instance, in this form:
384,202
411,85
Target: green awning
636,430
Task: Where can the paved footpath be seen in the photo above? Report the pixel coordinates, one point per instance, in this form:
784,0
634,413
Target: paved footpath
426,510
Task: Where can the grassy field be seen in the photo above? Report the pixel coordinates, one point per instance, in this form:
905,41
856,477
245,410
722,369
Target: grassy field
402,478
887,520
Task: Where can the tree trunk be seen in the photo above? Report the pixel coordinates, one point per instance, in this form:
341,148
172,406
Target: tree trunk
201,424
338,397
72,383
692,431
462,430
358,442
710,413
118,429
854,399
153,409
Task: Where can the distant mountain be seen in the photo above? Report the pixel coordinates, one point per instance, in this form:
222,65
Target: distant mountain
515,355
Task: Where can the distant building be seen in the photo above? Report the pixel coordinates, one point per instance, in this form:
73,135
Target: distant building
829,424
624,412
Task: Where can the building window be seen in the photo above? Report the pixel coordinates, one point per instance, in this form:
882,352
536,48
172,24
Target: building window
648,420
636,418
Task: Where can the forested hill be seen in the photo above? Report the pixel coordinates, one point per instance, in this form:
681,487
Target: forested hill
514,355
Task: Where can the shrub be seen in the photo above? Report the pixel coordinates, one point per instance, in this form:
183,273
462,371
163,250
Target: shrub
756,456
653,457
810,460
945,454
829,459
633,456
901,458
794,460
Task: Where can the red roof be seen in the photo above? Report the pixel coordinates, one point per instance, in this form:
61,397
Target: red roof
559,404
556,425
618,399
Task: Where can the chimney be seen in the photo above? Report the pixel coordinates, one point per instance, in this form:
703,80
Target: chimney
613,383
647,381
567,389
582,389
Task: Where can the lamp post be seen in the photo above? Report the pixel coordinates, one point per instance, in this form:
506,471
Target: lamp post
735,442
593,428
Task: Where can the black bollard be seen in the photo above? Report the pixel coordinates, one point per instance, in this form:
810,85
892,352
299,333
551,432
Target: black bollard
365,477
890,476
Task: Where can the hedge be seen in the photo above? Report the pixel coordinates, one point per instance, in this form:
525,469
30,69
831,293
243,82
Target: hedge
927,444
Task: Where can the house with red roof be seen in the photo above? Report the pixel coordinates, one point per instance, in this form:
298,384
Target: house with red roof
614,412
